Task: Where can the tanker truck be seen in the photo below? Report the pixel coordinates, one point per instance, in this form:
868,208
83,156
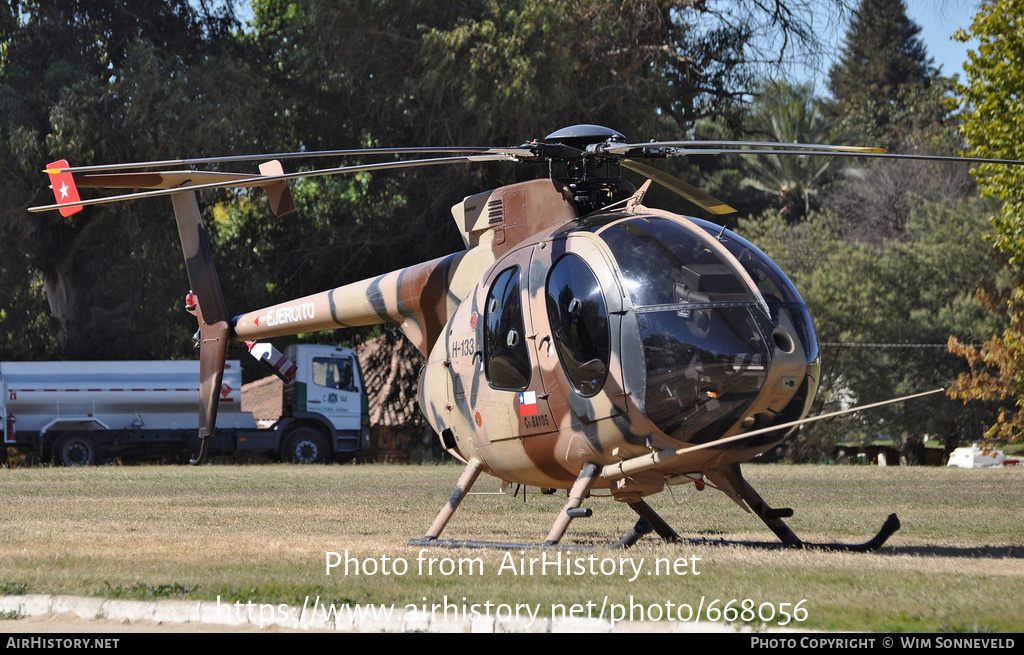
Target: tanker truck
82,413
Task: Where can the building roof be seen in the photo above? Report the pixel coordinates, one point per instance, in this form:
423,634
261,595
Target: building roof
264,398
391,368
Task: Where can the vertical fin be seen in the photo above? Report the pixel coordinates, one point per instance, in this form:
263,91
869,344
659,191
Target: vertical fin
214,328
279,193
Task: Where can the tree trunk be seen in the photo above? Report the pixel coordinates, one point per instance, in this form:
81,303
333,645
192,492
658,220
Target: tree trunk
60,295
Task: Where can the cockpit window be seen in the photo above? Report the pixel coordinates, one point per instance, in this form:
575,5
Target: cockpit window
776,289
771,281
506,358
579,321
663,263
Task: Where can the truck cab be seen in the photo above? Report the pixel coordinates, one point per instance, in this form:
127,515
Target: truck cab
325,401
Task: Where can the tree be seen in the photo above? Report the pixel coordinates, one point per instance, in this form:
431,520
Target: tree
886,92
876,204
992,124
791,114
96,82
100,82
883,66
490,72
882,314
383,72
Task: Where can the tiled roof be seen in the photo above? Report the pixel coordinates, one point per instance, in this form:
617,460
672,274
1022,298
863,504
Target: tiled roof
391,368
263,398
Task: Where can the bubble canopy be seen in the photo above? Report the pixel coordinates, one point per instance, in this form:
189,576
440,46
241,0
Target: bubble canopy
722,328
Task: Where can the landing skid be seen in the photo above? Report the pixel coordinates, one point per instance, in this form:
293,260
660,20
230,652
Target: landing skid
649,521
891,525
641,528
773,519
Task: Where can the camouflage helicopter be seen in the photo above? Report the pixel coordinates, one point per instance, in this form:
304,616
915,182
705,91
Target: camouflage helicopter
580,341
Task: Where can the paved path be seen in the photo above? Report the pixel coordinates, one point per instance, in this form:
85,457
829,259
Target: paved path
44,613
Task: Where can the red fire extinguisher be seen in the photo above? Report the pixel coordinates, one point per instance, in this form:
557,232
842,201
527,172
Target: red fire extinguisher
10,432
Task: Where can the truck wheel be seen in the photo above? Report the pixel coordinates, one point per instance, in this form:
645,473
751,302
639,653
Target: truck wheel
76,449
305,446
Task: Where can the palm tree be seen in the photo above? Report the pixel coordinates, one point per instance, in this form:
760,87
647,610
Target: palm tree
791,114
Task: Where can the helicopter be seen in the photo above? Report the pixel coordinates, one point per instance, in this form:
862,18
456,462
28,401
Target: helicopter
580,341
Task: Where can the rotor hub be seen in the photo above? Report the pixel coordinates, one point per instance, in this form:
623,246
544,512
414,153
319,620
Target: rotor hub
582,136
595,180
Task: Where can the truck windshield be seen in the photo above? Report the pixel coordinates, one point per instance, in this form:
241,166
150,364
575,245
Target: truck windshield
332,372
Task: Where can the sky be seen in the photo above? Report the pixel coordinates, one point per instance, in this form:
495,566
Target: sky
938,20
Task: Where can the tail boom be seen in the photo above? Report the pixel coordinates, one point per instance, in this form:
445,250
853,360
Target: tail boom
419,300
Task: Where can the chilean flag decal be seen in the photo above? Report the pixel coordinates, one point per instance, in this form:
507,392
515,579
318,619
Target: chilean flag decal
528,403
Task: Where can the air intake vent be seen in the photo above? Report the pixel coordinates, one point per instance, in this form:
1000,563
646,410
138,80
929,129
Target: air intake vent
495,211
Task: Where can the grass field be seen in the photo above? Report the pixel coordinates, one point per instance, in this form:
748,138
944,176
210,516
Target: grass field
262,533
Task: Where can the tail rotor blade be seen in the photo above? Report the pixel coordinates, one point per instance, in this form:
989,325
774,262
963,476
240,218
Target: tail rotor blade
195,246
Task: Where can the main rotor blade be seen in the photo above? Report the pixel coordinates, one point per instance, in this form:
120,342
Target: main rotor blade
514,152
685,148
870,155
260,180
665,458
731,146
164,180
674,184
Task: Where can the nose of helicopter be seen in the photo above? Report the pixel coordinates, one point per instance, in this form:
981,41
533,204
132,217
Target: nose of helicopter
727,342
720,370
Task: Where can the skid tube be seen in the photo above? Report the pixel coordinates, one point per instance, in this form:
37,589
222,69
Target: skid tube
649,521
891,525
642,527
772,517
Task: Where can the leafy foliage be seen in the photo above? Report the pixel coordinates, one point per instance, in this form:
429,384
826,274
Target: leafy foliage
992,126
95,82
91,81
880,313
886,92
791,114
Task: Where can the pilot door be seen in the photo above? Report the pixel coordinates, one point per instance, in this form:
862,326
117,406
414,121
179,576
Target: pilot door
516,400
503,394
